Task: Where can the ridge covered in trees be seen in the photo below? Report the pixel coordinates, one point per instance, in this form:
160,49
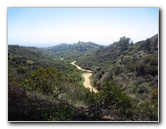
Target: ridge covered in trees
72,51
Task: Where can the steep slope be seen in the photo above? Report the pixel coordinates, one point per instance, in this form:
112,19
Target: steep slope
131,67
42,87
108,55
134,67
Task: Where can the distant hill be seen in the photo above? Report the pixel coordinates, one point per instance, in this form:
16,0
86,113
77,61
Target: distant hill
80,46
73,51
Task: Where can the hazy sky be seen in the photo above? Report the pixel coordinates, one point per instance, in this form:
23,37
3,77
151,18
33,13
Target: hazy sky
51,26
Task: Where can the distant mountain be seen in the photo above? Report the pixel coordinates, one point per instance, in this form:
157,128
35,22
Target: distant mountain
80,46
73,51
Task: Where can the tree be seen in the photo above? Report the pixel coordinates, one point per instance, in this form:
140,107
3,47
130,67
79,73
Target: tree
124,43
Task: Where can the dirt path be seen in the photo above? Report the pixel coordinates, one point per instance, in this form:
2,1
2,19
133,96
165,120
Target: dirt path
86,75
78,67
87,82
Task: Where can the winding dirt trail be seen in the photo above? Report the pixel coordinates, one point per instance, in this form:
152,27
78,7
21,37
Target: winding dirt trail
78,67
87,74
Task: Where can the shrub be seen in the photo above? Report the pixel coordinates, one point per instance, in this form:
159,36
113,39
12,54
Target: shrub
44,80
140,68
146,111
142,88
112,98
154,94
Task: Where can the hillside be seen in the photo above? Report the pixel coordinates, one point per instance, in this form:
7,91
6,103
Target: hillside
73,51
131,67
123,59
37,81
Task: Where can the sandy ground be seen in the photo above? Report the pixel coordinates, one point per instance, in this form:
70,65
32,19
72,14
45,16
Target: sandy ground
78,67
86,76
87,82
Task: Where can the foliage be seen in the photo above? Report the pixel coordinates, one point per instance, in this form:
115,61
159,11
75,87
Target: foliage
72,51
44,80
113,99
134,68
44,86
146,111
124,43
35,109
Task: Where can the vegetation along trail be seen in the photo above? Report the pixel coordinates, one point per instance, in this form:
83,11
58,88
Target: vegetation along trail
86,75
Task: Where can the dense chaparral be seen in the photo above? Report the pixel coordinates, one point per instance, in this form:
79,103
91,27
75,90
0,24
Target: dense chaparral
43,85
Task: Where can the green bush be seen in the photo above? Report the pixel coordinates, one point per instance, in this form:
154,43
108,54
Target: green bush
146,111
44,80
112,98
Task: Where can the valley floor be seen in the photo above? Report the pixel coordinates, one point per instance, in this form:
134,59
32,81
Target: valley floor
87,74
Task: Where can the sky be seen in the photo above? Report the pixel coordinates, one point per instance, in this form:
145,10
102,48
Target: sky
52,26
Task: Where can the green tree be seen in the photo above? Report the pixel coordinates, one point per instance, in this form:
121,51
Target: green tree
124,43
